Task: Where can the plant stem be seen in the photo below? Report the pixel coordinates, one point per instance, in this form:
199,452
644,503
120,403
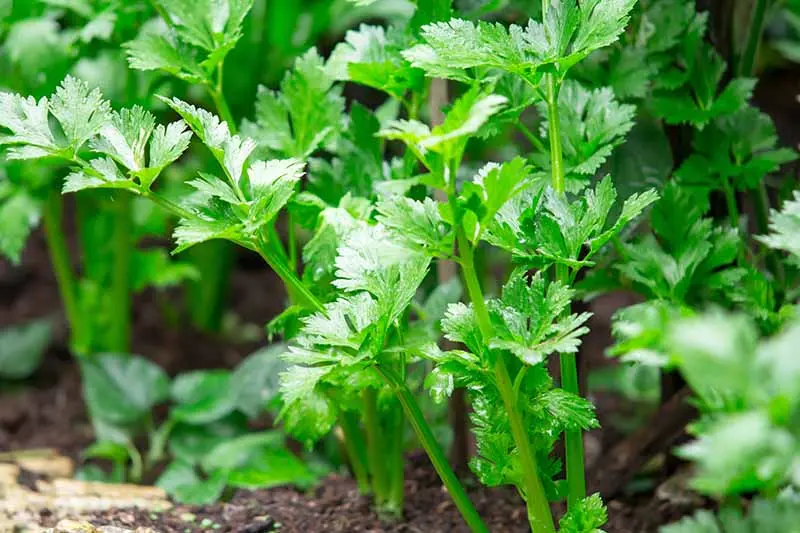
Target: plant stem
356,449
573,440
533,139
434,451
119,338
375,446
539,514
62,267
759,196
747,59
278,264
396,485
292,242
730,202
220,102
214,260
297,289
553,122
207,295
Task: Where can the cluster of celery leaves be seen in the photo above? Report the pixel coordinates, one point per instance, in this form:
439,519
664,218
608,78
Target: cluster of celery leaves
360,342
720,305
114,47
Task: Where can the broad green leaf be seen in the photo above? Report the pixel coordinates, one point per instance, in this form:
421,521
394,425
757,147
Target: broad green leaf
202,397
319,254
212,25
272,184
183,483
272,467
370,260
101,173
236,452
343,325
125,137
190,232
256,381
471,112
191,443
112,451
22,348
122,389
557,229
461,325
491,188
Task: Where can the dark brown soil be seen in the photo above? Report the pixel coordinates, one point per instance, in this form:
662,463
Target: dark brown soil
337,507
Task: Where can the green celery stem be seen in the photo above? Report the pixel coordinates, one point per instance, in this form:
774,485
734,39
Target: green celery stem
296,288
573,440
434,451
396,472
120,335
62,267
539,514
356,450
375,446
759,196
553,120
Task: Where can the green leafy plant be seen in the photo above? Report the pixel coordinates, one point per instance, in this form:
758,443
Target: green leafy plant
204,436
602,145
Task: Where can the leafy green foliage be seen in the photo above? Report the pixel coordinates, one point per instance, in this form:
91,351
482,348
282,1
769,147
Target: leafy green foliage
19,214
586,517
371,57
305,116
592,124
23,347
785,229
530,321
435,147
80,112
698,101
196,40
542,228
767,516
570,32
683,255
739,147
